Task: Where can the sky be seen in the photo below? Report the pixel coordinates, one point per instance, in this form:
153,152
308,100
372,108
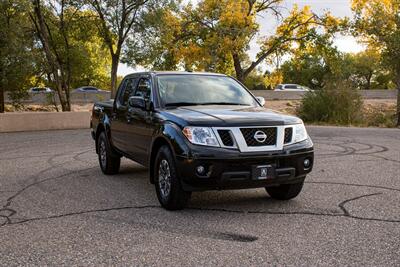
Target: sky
338,8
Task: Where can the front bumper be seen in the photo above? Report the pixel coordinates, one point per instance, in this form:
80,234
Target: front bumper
231,169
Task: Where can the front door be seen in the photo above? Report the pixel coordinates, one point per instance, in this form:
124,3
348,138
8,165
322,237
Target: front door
139,123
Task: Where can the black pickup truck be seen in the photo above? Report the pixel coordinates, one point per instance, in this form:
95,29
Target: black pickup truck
200,131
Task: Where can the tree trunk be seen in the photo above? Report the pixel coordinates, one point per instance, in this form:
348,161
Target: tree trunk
238,68
55,66
369,77
114,72
2,108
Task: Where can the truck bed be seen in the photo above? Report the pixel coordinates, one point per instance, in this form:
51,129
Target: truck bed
100,109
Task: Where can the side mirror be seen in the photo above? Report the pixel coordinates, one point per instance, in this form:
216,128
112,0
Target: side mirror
260,100
137,102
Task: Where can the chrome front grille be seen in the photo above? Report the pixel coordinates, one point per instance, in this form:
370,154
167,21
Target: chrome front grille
243,138
250,135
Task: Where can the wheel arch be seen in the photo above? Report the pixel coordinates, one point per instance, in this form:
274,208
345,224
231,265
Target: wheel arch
102,127
157,144
171,136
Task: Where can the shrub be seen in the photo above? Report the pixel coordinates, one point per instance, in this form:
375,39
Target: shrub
336,103
381,115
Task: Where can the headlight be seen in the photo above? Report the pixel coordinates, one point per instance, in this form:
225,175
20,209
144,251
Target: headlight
299,133
200,136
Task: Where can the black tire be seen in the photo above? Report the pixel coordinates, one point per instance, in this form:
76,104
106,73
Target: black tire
169,191
285,191
109,162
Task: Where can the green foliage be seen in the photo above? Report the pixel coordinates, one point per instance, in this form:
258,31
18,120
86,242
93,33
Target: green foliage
307,70
81,50
378,23
255,81
312,67
19,58
216,35
336,103
90,60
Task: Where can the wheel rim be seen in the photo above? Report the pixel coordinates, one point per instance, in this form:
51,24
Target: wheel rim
164,178
103,153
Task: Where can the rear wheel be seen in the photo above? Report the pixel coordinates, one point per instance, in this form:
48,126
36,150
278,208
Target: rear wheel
285,191
168,187
109,162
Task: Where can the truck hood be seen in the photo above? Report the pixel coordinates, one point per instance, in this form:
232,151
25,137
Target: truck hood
225,116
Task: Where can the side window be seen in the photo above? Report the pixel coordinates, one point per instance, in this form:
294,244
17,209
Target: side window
144,88
127,91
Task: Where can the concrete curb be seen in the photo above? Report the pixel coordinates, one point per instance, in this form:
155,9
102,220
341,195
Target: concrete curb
41,121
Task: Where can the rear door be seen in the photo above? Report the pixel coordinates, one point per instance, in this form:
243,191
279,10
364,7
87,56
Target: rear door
119,129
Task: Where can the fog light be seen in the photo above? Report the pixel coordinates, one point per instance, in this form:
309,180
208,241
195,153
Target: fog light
307,163
200,170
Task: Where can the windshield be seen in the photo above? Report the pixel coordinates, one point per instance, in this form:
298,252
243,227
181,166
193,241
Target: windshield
192,89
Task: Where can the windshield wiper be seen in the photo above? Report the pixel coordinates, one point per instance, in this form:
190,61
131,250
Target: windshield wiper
224,103
181,104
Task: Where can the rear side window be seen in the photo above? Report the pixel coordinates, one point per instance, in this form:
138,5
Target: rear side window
127,91
291,86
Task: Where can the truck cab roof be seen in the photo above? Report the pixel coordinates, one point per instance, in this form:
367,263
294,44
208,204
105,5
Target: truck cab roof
174,73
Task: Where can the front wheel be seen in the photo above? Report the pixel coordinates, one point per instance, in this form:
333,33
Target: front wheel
168,187
285,191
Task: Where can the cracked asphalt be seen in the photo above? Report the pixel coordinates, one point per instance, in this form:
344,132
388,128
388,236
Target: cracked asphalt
57,208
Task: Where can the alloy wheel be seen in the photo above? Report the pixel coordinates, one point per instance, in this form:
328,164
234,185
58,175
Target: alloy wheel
164,178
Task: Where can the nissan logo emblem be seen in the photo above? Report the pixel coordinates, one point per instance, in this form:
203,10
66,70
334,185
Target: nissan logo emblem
260,136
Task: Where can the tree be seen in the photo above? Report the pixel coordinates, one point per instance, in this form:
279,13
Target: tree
215,35
312,64
366,65
117,19
298,28
17,51
52,22
90,59
378,23
74,52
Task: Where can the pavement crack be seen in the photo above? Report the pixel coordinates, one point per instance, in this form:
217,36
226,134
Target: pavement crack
19,192
357,185
344,202
341,205
82,212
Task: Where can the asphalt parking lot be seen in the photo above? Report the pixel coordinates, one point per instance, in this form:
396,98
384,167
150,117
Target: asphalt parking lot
57,208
